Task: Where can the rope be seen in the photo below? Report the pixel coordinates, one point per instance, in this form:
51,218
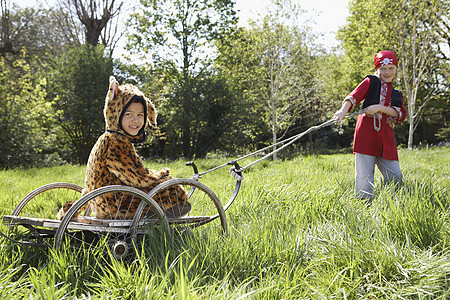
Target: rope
291,140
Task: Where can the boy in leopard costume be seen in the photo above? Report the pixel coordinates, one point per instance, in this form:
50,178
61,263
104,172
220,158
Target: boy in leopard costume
114,161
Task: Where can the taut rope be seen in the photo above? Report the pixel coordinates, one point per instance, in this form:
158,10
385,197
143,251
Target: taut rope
236,170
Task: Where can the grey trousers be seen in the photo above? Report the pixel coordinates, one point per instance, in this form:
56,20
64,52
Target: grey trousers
365,170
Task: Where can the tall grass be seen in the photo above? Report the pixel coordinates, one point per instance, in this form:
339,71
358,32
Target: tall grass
296,231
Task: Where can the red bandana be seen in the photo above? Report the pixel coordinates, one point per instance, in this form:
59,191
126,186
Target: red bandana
384,58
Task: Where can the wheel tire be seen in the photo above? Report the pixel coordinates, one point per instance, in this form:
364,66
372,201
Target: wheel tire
87,233
205,206
48,199
42,203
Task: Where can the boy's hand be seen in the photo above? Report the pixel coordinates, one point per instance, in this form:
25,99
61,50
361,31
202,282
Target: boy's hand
373,109
339,116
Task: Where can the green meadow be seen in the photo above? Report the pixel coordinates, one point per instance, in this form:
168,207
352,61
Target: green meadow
296,231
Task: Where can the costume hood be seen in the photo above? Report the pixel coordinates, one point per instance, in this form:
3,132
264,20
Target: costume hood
117,100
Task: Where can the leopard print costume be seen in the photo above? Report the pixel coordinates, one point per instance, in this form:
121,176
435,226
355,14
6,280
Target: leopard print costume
114,161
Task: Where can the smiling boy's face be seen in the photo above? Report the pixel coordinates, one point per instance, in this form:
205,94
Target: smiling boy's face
133,118
387,73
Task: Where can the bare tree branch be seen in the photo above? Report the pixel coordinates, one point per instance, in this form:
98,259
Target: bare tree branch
95,16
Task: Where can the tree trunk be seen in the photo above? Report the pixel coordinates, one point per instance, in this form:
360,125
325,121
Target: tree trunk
274,131
411,112
94,18
6,45
411,132
187,99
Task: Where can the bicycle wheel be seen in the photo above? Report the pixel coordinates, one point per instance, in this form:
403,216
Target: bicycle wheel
202,206
88,233
34,219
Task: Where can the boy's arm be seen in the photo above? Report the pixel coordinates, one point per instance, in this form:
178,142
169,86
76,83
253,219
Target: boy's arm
353,99
401,113
340,114
373,109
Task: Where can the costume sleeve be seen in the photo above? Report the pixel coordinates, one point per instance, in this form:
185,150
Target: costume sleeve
124,162
359,93
401,114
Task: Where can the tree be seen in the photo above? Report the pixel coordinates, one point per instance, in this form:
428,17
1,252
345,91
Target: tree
77,88
40,32
275,62
23,113
419,58
177,35
77,78
97,17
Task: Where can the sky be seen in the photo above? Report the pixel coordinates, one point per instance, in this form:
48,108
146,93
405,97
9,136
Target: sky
326,15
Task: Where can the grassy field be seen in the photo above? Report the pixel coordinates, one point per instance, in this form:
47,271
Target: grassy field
295,232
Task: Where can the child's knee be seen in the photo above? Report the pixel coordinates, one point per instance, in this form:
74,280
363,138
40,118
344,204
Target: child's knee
395,177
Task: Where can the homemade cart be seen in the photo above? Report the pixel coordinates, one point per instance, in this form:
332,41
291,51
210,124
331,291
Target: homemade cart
34,220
